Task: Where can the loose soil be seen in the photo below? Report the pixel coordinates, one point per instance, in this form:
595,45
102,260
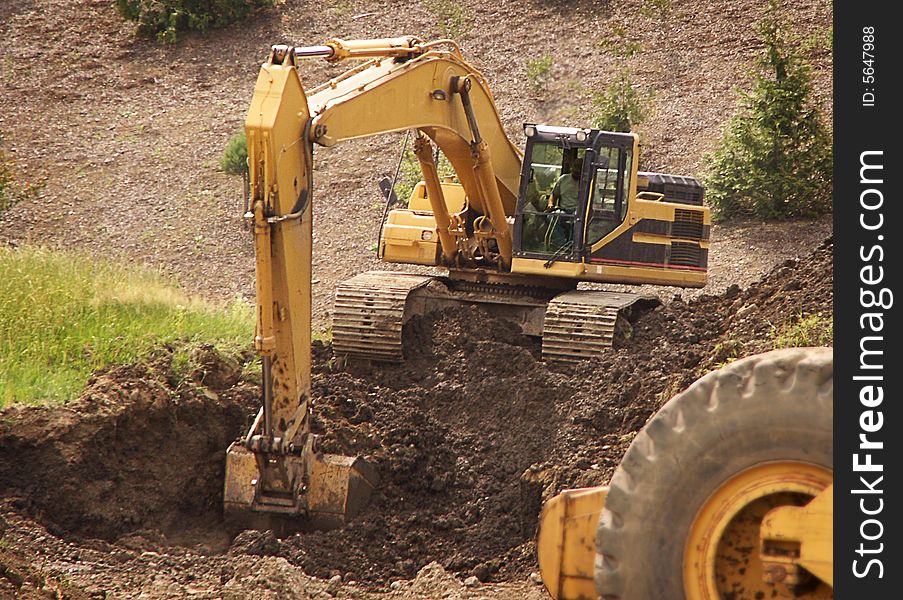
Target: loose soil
470,436
118,494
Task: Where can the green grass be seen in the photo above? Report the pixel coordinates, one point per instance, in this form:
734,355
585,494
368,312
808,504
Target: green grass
63,316
727,351
807,330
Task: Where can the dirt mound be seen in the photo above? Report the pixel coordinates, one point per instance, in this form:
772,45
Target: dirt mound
470,435
134,455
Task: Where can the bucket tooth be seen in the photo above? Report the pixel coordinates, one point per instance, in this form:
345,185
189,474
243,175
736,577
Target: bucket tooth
340,487
242,475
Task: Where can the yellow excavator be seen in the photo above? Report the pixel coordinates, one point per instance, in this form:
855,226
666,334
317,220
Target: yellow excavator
500,231
678,490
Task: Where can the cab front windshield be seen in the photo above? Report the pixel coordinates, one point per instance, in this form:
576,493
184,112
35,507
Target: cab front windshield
551,198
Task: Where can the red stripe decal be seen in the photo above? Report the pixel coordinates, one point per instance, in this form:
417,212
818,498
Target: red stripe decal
617,263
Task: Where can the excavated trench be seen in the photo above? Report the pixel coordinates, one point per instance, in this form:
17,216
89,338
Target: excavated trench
470,435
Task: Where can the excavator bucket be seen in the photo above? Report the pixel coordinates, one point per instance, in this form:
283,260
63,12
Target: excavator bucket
318,491
340,487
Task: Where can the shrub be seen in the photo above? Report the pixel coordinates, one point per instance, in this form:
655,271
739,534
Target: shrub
620,107
235,158
538,70
656,9
451,16
620,42
163,19
775,160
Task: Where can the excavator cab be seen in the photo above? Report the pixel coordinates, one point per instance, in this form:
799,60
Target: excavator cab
618,225
574,191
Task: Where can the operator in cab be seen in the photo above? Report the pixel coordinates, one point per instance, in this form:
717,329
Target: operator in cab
566,190
563,204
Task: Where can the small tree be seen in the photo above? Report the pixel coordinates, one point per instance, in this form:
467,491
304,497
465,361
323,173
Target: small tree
235,158
163,19
775,160
620,107
538,71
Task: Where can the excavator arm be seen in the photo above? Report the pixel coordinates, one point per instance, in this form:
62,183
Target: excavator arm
276,468
408,84
386,95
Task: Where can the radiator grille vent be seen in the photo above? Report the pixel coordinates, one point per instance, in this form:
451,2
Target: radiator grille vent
687,224
687,255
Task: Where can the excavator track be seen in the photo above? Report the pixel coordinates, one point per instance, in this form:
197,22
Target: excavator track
371,309
581,324
369,313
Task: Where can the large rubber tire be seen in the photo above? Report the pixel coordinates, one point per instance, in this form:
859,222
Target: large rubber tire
776,406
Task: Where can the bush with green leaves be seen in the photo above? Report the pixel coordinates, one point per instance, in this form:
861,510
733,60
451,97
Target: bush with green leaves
775,160
621,42
656,9
620,107
451,17
235,158
538,71
409,173
164,19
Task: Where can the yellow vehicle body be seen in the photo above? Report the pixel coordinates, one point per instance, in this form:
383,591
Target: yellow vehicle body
411,235
716,479
566,543
761,528
791,539
473,226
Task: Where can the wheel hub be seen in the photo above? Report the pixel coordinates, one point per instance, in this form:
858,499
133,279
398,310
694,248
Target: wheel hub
722,556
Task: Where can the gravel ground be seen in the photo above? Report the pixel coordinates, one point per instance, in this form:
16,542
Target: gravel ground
129,132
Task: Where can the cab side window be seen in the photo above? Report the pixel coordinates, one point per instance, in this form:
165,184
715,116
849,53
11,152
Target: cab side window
610,187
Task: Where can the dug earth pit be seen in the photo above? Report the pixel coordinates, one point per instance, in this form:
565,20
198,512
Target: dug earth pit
470,436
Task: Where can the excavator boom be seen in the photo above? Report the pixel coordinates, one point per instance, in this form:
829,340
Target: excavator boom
276,470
